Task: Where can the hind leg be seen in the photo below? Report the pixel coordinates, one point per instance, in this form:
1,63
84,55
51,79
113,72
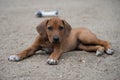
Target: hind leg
107,45
87,37
99,49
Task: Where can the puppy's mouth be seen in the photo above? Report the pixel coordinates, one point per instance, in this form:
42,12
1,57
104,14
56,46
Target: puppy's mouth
55,42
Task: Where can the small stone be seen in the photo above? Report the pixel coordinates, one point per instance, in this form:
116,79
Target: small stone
61,76
82,61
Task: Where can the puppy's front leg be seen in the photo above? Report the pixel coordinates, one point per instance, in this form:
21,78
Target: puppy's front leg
53,59
27,52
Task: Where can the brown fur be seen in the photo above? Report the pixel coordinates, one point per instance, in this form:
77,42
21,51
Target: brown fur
69,39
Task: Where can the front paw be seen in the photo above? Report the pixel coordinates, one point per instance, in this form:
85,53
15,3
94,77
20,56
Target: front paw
14,58
109,51
52,61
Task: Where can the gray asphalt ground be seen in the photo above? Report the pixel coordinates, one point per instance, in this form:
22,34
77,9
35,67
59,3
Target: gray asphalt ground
17,31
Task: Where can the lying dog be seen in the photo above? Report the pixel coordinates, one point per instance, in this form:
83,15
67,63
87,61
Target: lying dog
58,36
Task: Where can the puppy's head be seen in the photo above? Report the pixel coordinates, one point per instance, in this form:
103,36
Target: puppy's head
55,29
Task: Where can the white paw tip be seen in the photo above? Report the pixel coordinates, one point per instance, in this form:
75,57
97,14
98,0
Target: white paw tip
110,51
14,58
52,61
99,53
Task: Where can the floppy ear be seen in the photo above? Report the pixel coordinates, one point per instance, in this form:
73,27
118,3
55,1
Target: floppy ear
67,28
41,28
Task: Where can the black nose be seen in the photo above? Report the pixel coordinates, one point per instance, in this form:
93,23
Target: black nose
55,39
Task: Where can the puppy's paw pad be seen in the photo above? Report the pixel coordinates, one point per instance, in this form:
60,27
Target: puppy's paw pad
99,53
52,61
110,51
13,58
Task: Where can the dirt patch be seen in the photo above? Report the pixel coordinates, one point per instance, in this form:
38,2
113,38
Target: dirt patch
17,31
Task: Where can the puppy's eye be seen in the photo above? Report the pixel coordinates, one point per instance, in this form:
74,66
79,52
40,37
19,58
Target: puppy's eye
61,28
50,28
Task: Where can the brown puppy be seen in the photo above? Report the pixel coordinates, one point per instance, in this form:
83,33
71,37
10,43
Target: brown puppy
57,34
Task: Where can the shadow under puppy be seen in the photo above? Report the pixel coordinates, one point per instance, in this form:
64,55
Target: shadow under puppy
57,36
